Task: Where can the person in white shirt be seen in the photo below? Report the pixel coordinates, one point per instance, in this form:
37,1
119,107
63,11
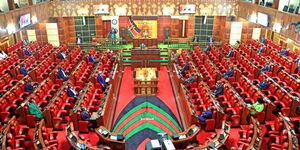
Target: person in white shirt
3,55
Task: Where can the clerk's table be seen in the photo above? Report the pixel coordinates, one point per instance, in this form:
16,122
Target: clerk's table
145,81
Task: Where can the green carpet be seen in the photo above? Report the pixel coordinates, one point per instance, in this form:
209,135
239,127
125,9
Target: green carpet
143,105
143,115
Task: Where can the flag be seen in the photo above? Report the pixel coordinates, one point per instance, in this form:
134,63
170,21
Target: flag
132,28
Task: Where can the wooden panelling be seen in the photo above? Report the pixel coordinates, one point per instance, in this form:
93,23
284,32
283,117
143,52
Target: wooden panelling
247,9
144,7
41,11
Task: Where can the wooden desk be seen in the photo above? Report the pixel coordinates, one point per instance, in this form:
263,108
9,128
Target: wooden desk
38,140
145,81
75,141
149,42
141,58
256,140
108,138
185,138
217,141
292,137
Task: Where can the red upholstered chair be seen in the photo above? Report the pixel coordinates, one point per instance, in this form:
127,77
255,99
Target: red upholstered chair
210,125
31,121
260,116
83,126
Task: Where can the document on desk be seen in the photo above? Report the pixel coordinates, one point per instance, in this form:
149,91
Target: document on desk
113,137
182,136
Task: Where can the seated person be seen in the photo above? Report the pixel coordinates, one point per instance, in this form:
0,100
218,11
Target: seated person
25,42
92,59
284,52
142,46
176,58
297,61
263,85
34,109
23,70
229,73
237,44
261,49
71,92
29,87
185,68
196,39
298,110
230,54
27,52
219,89
61,74
263,40
191,79
267,68
257,107
3,55
210,40
61,55
208,48
101,79
206,115
86,116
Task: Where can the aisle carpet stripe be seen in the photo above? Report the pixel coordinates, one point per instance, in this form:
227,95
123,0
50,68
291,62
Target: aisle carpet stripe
146,114
150,101
143,105
164,118
151,122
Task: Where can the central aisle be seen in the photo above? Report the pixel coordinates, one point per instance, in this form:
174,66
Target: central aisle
140,118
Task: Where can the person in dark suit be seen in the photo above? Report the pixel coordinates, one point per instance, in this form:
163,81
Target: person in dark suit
27,52
263,85
261,49
29,87
92,59
71,92
219,89
284,52
267,68
208,48
230,54
191,79
23,70
229,73
298,110
61,74
101,80
185,68
206,115
61,55
86,116
297,61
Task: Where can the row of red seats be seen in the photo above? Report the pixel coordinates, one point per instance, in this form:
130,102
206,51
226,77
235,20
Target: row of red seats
49,137
48,90
274,92
92,100
60,108
17,136
14,47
